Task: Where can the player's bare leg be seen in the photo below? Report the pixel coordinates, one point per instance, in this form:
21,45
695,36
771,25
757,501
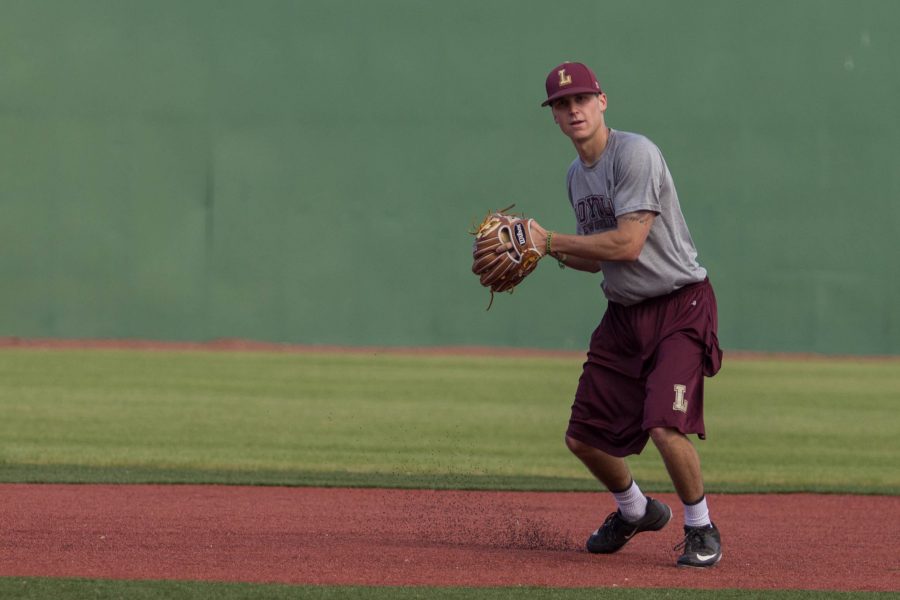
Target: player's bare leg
609,470
702,545
636,512
682,462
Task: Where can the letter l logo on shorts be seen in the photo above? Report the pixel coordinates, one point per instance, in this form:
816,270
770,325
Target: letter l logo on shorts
680,402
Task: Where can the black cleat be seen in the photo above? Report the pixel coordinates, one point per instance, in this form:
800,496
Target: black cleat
616,531
702,547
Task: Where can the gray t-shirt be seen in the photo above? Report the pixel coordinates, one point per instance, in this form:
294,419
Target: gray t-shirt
632,175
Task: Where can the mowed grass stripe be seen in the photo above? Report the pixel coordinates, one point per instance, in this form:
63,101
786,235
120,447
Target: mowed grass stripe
78,474
418,421
18,588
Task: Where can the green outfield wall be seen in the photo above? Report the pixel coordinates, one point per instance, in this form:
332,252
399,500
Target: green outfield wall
305,171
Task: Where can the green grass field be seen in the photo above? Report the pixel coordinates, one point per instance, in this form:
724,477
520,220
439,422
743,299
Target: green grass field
412,421
82,589
405,421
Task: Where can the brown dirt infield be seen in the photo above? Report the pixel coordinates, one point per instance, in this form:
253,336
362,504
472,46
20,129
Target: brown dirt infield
432,538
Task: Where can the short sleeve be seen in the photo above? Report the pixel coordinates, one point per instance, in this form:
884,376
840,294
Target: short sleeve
639,174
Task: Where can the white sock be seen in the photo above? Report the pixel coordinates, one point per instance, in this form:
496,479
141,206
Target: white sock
697,515
632,502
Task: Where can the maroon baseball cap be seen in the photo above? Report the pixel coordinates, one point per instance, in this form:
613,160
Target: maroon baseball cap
570,78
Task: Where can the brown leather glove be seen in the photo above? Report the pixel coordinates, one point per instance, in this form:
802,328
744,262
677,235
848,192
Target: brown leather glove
504,253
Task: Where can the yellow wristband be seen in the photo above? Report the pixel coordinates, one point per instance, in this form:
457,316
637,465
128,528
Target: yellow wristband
549,237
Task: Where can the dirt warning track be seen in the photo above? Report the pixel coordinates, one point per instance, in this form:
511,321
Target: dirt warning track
432,538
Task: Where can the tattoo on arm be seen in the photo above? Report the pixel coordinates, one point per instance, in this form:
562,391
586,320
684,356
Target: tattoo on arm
643,217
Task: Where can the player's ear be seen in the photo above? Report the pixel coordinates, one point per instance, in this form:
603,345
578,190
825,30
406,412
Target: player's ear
602,99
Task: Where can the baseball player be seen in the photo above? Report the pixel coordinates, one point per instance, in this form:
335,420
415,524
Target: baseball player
643,378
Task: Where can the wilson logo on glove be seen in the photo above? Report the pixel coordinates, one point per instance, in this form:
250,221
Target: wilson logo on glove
520,234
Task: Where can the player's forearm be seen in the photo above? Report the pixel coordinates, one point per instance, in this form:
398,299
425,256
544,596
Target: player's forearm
609,245
578,263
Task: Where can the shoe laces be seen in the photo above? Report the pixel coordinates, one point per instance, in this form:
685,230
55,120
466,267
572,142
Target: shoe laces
610,524
611,517
693,540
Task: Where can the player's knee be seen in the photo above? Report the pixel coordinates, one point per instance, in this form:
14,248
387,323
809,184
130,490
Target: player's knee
663,436
577,448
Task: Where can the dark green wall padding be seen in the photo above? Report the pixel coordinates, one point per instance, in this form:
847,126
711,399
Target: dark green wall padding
305,171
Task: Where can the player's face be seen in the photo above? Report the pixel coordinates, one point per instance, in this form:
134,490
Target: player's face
580,116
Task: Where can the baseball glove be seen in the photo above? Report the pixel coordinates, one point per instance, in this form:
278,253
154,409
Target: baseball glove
503,270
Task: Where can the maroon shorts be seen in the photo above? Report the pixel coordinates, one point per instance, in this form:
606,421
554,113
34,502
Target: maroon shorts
645,369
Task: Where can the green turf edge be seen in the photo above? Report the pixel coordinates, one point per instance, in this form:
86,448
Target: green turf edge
28,588
142,474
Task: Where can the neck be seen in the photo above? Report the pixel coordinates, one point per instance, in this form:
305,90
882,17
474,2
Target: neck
591,149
